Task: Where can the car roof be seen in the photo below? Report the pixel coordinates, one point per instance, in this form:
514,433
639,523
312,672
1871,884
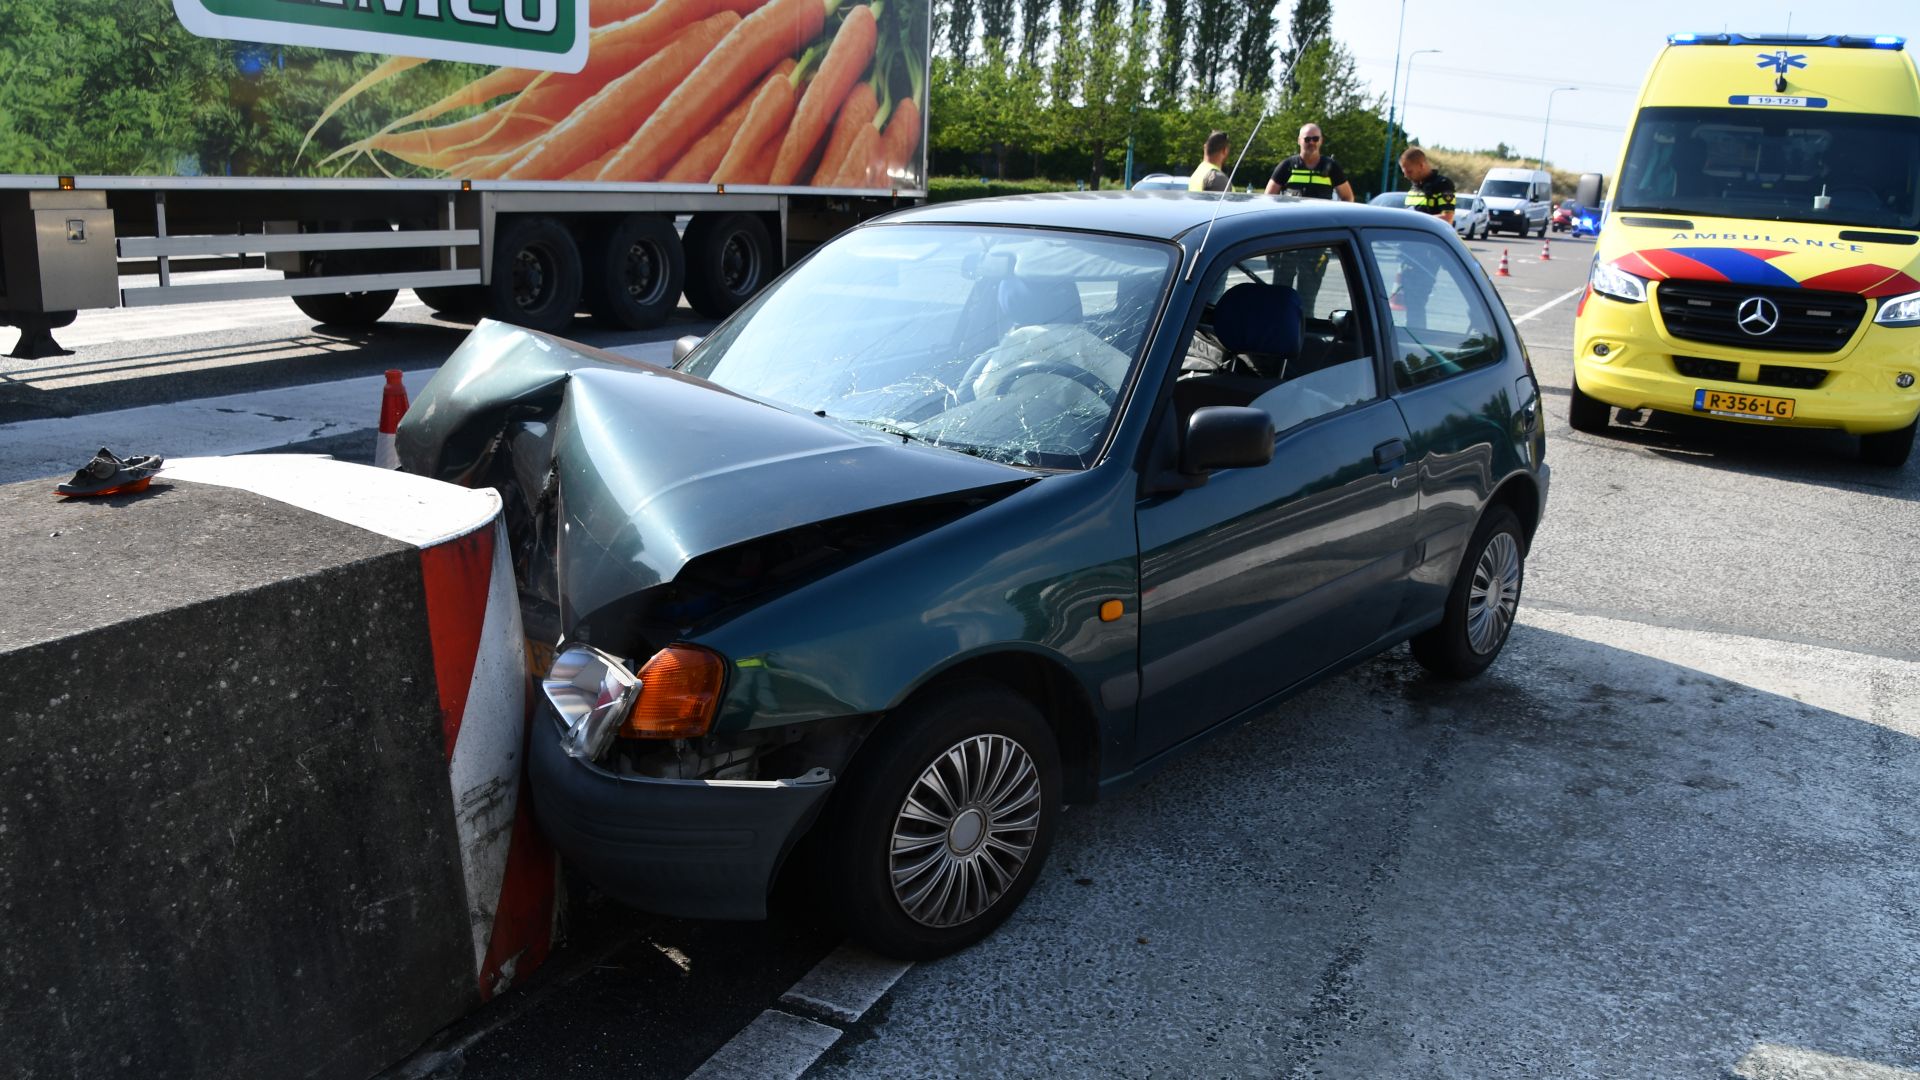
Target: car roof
1158,215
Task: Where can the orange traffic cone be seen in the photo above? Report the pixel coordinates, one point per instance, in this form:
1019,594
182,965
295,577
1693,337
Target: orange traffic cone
393,405
1546,255
1503,271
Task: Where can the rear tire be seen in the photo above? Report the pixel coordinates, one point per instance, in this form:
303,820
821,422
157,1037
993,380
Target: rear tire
1586,413
536,275
886,866
1888,449
729,257
1482,603
347,309
462,302
638,271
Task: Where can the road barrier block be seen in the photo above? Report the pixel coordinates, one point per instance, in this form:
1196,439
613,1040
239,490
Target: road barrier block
262,730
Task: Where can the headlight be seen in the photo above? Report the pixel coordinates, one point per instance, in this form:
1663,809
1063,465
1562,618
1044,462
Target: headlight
674,696
1899,311
593,693
1610,280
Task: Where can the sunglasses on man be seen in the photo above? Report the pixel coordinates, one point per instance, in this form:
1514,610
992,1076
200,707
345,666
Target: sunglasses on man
1310,138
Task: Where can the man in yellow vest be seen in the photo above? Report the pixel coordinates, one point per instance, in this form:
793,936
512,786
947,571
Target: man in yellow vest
1208,176
1310,174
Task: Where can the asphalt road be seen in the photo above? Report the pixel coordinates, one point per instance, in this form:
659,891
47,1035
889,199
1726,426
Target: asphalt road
1670,834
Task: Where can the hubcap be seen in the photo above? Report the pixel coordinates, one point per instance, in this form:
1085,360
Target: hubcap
739,264
965,831
1495,593
644,279
532,277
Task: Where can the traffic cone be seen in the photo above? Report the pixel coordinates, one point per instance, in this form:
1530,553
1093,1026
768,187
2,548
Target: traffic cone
1395,300
1546,255
393,405
1503,271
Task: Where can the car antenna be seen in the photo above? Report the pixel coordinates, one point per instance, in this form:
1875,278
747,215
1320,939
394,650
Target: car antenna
1248,145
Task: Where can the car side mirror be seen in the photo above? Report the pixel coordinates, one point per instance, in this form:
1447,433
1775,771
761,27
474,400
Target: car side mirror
1226,437
684,346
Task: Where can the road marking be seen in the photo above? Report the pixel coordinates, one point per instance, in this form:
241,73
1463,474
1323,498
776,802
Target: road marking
1561,299
775,1045
846,984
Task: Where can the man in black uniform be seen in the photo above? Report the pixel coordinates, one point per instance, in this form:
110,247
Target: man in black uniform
1431,193
1309,174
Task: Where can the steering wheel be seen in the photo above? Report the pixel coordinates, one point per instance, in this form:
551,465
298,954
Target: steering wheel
1045,366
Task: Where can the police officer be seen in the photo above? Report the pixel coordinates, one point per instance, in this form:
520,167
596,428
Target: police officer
1208,176
1432,193
1310,174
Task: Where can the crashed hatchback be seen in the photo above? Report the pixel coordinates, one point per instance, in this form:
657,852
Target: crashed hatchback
982,509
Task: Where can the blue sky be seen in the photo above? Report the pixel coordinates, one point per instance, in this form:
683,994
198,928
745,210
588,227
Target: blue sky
1499,59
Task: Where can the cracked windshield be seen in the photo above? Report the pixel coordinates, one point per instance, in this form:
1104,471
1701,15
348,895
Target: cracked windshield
1008,344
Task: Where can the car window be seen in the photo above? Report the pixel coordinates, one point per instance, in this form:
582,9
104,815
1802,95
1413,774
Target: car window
1009,344
1441,325
1284,331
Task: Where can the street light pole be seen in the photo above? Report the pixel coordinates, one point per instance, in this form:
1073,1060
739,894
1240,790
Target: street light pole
1406,102
1548,122
1394,91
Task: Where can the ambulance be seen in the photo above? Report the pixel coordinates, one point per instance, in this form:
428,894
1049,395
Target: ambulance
1761,257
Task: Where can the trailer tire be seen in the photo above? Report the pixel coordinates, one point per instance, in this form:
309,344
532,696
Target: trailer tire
729,258
638,271
347,309
536,275
462,302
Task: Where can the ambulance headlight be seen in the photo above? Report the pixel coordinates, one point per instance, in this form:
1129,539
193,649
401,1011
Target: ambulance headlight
1899,310
1610,280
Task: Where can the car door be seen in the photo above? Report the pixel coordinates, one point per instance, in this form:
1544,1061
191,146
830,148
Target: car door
1258,578
1447,370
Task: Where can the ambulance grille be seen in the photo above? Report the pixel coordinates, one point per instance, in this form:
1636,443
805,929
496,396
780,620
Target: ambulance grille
1809,321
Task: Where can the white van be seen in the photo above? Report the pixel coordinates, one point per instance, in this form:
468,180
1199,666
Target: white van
1520,200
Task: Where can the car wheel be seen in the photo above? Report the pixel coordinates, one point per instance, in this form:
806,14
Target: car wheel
536,275
729,257
943,821
639,268
1587,413
1482,603
346,309
1888,448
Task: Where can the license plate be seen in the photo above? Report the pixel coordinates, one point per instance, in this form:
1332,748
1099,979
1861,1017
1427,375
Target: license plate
1748,406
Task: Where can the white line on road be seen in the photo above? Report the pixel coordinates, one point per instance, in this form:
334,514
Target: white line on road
1561,299
776,1046
846,984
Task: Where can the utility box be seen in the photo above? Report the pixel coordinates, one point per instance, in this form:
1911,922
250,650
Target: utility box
57,251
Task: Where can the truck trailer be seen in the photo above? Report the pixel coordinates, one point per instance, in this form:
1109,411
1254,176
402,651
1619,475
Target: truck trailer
520,159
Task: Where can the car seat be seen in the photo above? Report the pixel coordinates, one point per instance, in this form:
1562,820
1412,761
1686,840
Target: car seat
1260,328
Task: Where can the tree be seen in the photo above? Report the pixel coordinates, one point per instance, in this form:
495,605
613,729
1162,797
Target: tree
1253,52
1170,80
1101,75
996,21
1312,20
991,106
959,29
1216,29
1033,29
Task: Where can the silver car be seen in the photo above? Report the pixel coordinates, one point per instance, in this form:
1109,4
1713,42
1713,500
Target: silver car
1471,218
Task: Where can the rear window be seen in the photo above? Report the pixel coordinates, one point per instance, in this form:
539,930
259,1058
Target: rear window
1775,164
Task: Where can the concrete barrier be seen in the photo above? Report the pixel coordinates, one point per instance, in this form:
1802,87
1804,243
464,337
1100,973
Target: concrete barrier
261,739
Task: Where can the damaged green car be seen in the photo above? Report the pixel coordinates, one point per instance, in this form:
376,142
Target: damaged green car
982,509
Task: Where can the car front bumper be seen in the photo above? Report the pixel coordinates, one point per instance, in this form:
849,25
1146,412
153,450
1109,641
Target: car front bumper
1859,394
704,849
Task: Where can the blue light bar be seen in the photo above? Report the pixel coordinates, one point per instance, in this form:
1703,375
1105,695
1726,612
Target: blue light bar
1831,41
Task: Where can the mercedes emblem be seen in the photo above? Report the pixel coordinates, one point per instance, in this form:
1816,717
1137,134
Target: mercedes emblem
1757,315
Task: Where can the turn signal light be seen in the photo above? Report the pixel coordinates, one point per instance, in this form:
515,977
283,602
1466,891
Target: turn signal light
679,694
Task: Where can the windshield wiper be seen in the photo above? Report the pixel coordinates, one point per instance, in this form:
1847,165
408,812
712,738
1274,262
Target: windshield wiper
884,425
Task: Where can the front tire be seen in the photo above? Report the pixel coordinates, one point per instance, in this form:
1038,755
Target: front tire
1586,413
1888,449
536,275
1482,603
638,272
347,309
944,821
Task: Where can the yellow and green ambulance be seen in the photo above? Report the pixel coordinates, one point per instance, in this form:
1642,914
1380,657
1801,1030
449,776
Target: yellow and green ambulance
1760,261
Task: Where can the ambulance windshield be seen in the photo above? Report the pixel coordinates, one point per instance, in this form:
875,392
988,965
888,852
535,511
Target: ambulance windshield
1788,164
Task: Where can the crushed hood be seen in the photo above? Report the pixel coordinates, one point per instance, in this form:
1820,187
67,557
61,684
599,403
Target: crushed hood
1781,254
656,468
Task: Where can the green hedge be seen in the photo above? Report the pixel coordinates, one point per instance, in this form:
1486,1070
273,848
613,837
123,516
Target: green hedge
948,188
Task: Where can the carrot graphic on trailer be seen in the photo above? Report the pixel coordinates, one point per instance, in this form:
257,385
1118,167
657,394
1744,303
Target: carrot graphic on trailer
697,164
851,52
762,40
770,113
856,112
597,125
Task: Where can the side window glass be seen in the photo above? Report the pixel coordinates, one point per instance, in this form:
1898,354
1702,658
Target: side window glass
1441,326
1282,331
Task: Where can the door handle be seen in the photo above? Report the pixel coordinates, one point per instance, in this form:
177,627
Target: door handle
1390,455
